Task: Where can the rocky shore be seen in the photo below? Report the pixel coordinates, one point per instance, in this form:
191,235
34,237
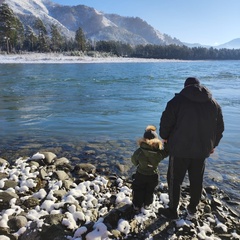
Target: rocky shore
43,197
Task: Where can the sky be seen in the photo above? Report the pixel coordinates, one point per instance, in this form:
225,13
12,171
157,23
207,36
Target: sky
208,22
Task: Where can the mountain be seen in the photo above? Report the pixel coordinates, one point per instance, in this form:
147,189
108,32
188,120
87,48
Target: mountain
233,44
96,25
192,45
29,11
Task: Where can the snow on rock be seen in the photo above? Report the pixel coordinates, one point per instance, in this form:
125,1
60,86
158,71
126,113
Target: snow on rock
97,208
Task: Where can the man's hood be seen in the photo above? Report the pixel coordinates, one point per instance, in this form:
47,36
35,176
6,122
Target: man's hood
196,93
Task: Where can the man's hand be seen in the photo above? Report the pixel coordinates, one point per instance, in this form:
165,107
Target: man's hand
212,151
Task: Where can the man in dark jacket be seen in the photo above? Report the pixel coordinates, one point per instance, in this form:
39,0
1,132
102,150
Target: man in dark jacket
192,124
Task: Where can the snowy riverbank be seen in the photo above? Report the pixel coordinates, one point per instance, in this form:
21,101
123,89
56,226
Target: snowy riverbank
61,58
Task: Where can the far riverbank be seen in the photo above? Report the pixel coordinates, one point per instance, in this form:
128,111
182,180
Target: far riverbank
62,58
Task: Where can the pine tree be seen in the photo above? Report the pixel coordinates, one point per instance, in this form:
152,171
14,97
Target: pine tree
80,40
30,42
56,39
11,29
43,41
40,27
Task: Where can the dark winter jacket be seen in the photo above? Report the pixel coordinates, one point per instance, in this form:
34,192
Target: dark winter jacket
192,123
147,157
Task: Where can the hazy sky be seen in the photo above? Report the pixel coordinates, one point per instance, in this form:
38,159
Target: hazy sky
208,22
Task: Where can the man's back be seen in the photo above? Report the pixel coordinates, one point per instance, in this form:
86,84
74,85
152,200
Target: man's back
190,123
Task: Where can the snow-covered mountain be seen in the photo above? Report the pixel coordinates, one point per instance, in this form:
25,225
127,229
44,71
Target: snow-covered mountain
30,10
193,45
96,25
234,44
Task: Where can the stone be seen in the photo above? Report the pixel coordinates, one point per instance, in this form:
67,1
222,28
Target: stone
6,197
90,152
59,193
9,184
61,175
216,202
49,157
85,167
211,189
53,219
121,167
67,183
43,173
31,202
17,222
207,209
61,161
3,175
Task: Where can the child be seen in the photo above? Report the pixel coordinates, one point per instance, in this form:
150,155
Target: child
146,158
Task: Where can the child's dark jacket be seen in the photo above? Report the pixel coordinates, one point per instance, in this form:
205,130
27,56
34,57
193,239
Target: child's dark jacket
147,157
